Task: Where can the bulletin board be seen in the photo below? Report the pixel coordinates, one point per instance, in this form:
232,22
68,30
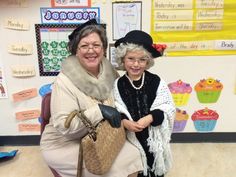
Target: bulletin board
198,27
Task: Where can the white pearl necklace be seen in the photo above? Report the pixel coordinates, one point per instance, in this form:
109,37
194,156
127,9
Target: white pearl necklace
131,82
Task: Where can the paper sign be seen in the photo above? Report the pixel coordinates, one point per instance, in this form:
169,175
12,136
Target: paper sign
200,4
191,45
173,4
173,14
126,17
225,44
29,127
80,3
173,26
30,114
25,94
21,49
15,3
17,24
209,26
69,15
210,14
23,71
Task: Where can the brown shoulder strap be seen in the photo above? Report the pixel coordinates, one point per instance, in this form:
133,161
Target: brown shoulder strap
80,161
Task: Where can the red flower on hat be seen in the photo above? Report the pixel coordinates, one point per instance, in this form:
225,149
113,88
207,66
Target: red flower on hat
159,47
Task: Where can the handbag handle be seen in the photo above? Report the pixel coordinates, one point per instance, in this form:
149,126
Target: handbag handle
91,132
88,124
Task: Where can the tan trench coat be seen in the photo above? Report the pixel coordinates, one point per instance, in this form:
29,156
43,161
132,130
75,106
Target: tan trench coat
60,146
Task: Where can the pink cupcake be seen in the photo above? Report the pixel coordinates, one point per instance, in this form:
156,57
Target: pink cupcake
180,92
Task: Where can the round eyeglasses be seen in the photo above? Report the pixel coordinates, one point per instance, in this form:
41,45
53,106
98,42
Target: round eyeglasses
141,61
85,47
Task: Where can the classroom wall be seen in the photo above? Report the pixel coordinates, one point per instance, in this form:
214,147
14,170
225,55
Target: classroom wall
190,69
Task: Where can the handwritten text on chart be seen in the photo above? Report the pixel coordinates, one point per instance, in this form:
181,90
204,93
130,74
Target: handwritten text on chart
173,4
187,46
173,26
209,14
217,4
202,45
21,49
209,26
77,3
17,24
173,15
23,71
187,4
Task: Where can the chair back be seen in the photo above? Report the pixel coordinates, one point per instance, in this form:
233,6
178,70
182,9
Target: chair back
45,116
45,111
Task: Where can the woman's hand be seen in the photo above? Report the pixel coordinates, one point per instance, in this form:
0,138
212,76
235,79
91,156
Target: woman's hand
111,115
145,121
132,126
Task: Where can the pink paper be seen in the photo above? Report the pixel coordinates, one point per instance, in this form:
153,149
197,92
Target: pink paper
29,127
25,94
30,114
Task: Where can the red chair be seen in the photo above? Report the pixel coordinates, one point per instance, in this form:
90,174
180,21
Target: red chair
45,116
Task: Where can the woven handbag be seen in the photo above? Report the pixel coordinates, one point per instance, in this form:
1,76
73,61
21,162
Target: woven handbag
100,147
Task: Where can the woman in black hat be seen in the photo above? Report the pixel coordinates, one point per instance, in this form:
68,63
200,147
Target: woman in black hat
145,101
84,83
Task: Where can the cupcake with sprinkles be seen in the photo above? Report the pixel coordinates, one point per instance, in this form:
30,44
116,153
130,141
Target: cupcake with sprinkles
205,120
180,92
181,118
208,90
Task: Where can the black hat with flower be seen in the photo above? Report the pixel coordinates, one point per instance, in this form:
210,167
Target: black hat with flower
142,38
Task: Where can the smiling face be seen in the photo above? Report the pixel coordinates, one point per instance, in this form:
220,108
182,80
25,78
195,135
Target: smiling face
90,53
135,62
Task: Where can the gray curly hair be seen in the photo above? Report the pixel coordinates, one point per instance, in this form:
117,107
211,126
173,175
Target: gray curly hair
124,48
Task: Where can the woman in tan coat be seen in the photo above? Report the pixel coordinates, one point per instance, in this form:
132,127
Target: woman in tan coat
84,83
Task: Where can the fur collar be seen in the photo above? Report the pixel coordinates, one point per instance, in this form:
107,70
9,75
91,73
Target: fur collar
99,88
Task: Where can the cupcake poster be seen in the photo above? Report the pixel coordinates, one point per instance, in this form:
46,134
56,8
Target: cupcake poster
180,121
204,120
208,90
180,92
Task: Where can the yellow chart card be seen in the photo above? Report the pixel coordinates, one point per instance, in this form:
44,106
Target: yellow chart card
195,27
